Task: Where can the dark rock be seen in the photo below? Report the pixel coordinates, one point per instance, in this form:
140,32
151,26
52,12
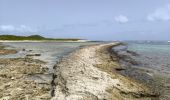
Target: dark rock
132,53
33,55
119,69
37,54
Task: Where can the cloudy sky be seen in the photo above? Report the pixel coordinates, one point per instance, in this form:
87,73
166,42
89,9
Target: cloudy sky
88,19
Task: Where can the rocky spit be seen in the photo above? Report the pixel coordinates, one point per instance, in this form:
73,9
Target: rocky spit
90,73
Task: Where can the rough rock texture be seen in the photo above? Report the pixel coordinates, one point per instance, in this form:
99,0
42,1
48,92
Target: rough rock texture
18,80
4,51
23,78
90,74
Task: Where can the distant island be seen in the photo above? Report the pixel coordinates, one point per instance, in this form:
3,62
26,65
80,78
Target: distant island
35,38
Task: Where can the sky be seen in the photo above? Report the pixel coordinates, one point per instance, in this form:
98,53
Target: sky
87,19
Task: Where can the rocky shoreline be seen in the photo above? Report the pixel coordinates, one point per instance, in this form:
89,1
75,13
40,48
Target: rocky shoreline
23,78
90,73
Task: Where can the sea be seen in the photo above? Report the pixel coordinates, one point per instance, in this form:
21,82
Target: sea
154,58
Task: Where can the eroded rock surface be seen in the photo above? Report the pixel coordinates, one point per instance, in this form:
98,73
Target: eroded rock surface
90,74
23,78
17,80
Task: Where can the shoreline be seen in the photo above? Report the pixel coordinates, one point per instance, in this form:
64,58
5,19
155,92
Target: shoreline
23,78
1,41
28,76
90,73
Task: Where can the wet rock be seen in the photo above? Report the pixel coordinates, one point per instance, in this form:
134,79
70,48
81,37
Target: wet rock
4,51
30,50
132,53
119,69
33,55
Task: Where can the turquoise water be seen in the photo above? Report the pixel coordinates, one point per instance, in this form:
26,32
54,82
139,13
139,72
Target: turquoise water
153,55
150,47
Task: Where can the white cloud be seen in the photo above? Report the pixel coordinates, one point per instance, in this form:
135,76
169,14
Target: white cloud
11,28
121,19
7,28
160,14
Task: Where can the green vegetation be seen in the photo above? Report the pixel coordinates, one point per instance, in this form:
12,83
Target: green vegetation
32,37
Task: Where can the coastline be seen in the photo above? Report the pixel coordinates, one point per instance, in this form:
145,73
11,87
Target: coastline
90,74
26,73
43,41
23,78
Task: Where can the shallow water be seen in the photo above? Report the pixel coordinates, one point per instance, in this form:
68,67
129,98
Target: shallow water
50,52
155,57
